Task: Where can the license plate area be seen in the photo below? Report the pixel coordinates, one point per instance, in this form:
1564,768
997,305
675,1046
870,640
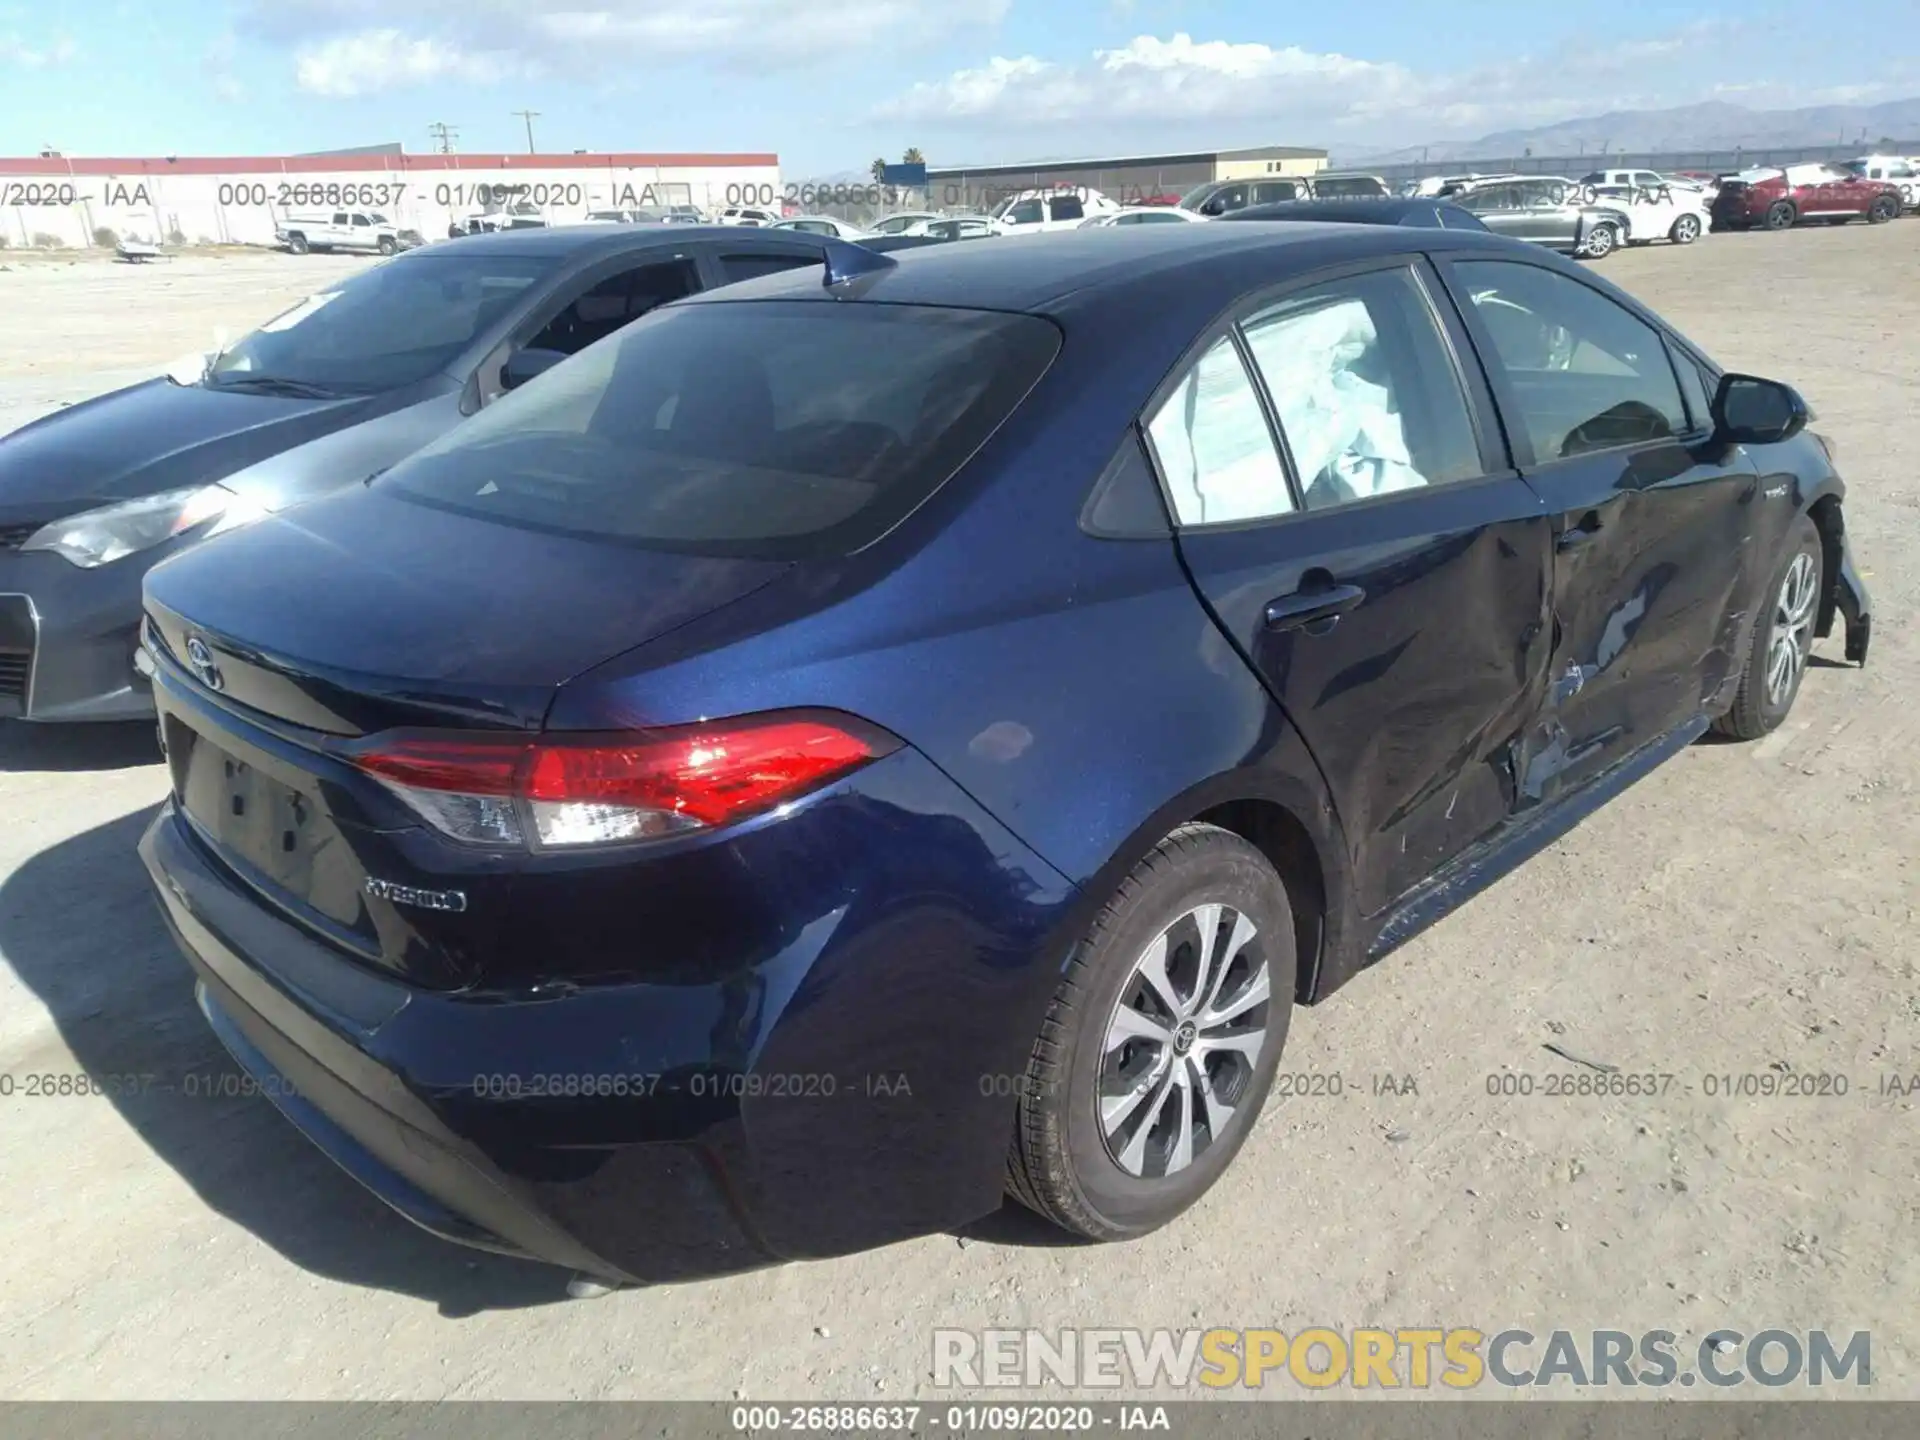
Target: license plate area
275,832
273,826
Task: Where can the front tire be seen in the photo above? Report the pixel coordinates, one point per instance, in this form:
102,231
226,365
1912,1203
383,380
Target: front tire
1685,230
1781,215
1601,241
1782,639
1882,210
297,244
1161,1042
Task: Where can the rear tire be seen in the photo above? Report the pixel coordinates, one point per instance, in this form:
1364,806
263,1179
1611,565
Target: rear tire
1685,230
1141,1089
387,247
1600,241
1782,638
1882,210
1781,215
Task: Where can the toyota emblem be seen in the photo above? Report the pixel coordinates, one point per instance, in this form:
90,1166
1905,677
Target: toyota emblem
200,661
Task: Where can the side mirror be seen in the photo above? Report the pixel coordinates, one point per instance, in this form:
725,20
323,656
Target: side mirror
523,365
1748,410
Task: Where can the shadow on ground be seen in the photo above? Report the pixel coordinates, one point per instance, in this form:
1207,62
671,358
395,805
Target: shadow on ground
80,929
119,746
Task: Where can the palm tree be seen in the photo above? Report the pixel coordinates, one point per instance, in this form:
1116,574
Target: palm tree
878,169
913,156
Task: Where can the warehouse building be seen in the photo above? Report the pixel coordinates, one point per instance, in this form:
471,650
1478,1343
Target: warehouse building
1130,179
60,200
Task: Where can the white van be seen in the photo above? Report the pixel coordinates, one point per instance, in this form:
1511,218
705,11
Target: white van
1033,211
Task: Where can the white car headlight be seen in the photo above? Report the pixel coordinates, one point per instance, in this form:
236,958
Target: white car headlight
112,532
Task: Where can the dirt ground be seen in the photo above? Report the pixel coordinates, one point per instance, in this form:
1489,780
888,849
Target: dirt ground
1749,909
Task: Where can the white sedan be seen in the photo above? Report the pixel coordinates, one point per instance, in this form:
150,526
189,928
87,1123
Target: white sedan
1146,215
1659,212
826,225
904,222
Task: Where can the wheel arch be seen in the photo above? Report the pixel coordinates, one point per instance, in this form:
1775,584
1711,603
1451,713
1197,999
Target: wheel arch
1279,834
1285,811
1829,519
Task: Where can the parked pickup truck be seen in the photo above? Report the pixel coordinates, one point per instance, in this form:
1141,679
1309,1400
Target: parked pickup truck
344,230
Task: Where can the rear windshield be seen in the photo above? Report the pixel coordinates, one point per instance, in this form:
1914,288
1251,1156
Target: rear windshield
1349,185
771,429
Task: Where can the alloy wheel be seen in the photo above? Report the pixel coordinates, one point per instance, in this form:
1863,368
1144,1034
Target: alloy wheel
1792,636
1183,1041
1686,229
1601,241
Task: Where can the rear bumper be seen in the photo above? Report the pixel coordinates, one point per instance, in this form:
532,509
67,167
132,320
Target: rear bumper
642,1131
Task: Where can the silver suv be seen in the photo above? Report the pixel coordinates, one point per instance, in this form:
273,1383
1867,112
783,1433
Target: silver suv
1550,211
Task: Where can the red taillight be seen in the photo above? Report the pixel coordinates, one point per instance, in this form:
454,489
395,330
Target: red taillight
472,767
604,789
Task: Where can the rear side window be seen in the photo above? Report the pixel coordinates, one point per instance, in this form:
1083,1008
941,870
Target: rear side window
769,429
1214,448
746,267
1351,187
1585,373
1067,207
1368,397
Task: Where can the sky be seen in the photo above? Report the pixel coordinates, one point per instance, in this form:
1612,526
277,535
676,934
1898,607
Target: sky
831,84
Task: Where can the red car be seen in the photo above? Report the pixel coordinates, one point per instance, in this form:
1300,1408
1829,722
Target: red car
1779,199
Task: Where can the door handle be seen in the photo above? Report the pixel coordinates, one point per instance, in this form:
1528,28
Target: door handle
1316,611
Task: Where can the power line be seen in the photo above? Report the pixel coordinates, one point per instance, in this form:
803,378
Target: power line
529,116
444,135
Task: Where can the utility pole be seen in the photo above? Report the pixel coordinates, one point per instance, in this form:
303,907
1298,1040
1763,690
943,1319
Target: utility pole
444,135
529,116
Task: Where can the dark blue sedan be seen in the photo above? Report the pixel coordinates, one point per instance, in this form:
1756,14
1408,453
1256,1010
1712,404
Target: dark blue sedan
883,734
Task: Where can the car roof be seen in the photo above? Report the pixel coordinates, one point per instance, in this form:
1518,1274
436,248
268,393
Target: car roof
580,240
1361,210
1160,267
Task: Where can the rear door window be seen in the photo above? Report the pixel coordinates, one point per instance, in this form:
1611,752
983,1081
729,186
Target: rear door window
1067,207
772,429
746,267
1367,395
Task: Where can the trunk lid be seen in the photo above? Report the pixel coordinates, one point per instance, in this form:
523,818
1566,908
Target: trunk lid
280,645
362,612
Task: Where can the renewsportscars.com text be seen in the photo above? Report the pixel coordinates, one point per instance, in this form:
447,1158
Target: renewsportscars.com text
1459,1358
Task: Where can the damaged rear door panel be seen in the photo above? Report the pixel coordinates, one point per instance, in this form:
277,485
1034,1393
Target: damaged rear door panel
1388,574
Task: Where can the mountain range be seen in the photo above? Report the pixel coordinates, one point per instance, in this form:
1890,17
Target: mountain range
1711,125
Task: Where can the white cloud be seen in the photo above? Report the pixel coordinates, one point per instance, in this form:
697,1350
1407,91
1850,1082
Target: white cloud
354,47
14,50
1319,96
358,64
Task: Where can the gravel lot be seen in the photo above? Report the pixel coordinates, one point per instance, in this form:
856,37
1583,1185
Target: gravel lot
1741,911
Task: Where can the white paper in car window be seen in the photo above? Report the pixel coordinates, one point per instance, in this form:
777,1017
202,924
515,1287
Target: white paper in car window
1214,446
1342,429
